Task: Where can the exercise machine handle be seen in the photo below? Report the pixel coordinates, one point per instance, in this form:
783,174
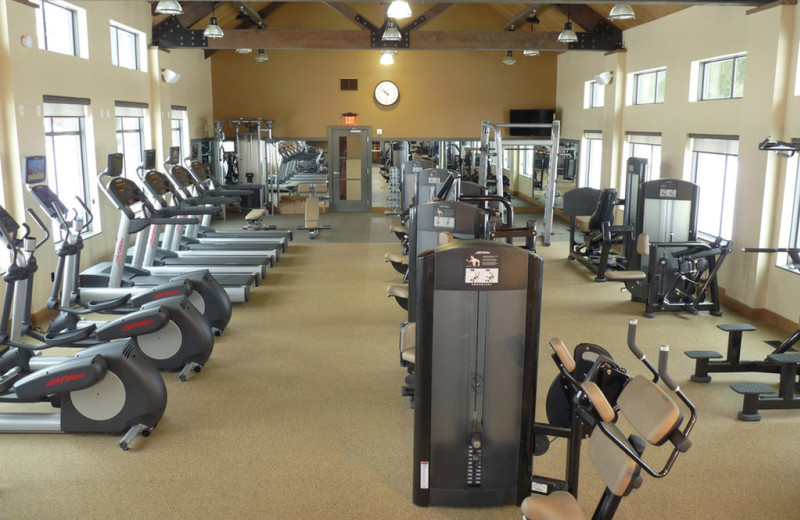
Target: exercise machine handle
663,361
41,225
638,352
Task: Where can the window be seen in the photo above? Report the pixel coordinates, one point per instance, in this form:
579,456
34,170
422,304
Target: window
130,119
648,86
61,27
722,78
126,47
646,145
594,94
179,122
593,165
794,237
65,146
715,165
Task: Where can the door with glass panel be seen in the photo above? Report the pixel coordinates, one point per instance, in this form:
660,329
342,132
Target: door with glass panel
351,167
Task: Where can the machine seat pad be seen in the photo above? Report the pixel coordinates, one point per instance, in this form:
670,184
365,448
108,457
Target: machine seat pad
703,354
752,388
736,327
395,258
559,505
626,276
397,229
649,409
398,290
786,357
255,214
409,356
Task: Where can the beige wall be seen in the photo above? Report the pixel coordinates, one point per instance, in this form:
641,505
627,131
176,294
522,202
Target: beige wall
34,73
442,94
770,39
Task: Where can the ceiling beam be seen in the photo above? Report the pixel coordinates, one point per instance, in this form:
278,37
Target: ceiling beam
359,39
523,15
548,2
251,13
193,12
348,12
581,14
427,16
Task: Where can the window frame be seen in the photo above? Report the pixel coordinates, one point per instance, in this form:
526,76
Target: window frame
78,28
637,78
115,29
592,142
640,139
704,73
727,205
121,131
594,94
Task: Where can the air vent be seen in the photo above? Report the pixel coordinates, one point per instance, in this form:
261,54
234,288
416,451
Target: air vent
348,84
129,349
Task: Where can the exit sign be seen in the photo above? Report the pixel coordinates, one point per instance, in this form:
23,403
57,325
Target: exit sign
349,119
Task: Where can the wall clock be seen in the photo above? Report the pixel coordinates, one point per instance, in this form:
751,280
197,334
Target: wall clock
386,93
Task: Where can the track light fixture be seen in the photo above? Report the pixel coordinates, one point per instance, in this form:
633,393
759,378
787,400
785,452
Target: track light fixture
530,52
509,59
244,50
213,30
568,34
398,10
261,57
622,12
392,32
169,7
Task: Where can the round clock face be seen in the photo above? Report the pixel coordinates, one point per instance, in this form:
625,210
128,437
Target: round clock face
386,93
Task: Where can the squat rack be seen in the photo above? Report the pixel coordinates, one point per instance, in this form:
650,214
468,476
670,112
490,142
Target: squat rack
550,194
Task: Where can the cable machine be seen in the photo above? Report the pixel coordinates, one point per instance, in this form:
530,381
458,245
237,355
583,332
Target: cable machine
486,142
250,161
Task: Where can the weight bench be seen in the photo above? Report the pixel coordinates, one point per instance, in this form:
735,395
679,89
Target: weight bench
253,220
311,213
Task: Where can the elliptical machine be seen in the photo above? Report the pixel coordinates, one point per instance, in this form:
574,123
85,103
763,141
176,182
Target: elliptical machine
169,331
107,388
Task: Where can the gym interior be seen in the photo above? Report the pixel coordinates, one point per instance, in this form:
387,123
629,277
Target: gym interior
309,403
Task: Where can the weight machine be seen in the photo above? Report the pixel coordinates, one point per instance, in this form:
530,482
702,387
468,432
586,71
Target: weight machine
487,129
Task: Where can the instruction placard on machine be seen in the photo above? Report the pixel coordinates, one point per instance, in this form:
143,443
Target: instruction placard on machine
482,269
444,217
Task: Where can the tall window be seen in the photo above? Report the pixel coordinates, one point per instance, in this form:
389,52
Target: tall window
130,118
65,146
648,86
126,47
794,237
722,78
180,121
593,165
61,27
646,145
715,166
594,94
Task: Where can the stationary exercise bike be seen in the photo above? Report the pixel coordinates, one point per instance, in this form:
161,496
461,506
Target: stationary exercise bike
107,388
169,331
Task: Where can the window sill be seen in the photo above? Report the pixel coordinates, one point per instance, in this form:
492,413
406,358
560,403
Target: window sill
793,270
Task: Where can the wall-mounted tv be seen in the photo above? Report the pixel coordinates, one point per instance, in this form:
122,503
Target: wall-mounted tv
530,116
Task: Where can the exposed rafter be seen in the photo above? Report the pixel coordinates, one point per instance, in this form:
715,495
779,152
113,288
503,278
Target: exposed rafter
520,18
251,13
427,16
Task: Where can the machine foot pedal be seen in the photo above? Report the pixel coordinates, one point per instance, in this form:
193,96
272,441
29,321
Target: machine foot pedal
736,327
189,367
702,357
132,433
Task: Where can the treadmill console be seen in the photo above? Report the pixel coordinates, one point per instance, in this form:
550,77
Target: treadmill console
48,200
158,183
125,192
149,160
183,176
201,170
8,226
114,168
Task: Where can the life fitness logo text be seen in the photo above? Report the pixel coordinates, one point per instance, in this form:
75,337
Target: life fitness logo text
160,295
118,252
136,325
65,379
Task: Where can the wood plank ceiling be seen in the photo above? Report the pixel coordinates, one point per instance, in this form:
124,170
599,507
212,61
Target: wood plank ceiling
355,24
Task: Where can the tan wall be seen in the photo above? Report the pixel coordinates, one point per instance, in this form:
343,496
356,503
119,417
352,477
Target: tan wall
34,73
442,94
770,39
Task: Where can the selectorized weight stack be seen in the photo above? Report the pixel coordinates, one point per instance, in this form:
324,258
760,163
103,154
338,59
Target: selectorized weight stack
478,314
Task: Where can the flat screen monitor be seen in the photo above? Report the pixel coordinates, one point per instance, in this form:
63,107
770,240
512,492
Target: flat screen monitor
149,160
530,116
35,170
114,168
174,155
228,146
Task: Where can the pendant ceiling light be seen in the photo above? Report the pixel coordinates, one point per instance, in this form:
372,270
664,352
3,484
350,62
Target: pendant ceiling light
387,56
213,30
509,59
568,34
244,50
622,12
530,52
399,10
169,7
392,33
261,57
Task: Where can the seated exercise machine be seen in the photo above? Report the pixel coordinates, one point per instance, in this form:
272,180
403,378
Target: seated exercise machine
169,331
203,291
107,388
670,269
619,458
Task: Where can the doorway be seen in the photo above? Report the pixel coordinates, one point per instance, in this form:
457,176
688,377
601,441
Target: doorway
351,162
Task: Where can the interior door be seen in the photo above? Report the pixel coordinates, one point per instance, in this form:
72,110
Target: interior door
351,163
